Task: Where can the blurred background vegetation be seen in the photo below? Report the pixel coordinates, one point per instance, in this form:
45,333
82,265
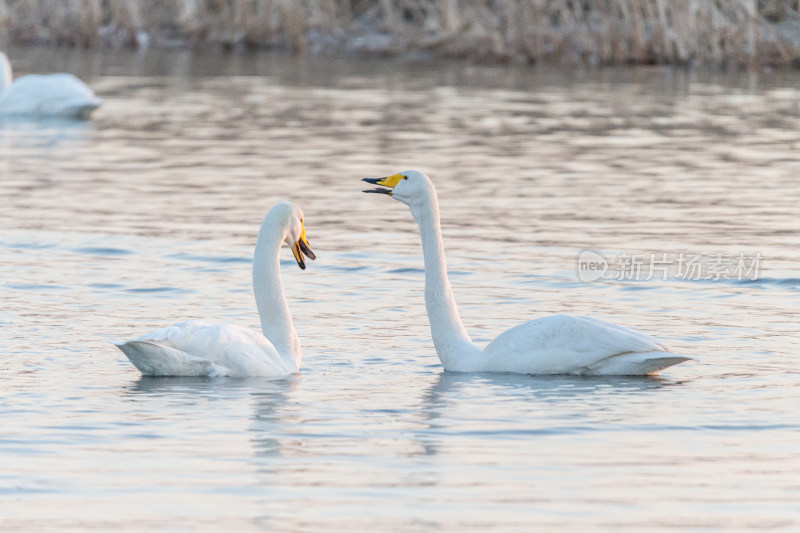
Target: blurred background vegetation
711,32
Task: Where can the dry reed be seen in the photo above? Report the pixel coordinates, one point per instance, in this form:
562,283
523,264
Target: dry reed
723,32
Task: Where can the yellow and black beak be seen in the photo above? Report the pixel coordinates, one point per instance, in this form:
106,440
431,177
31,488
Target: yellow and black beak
301,247
389,181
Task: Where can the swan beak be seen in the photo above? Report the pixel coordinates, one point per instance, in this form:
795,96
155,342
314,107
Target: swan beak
389,181
301,247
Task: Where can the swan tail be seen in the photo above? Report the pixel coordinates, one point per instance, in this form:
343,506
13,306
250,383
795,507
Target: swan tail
152,359
83,109
635,364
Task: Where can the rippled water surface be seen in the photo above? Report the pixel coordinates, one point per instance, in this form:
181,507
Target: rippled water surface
147,215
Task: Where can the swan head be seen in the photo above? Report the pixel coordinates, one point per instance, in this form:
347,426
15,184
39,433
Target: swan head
290,217
411,187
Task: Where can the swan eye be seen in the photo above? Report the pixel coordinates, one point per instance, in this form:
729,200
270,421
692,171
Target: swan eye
405,177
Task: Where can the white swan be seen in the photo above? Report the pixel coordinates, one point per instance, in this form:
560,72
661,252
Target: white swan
557,344
200,349
52,95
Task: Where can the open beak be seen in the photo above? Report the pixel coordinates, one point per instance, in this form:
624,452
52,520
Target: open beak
301,247
389,181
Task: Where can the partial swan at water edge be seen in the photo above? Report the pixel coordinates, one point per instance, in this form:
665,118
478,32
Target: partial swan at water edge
200,349
51,95
558,344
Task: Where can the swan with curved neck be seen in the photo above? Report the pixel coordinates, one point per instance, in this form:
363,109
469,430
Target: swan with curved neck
197,348
558,344
52,95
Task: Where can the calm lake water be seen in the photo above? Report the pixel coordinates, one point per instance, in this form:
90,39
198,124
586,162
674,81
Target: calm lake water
147,215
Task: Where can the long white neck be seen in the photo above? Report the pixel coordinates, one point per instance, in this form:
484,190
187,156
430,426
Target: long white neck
450,338
276,321
5,72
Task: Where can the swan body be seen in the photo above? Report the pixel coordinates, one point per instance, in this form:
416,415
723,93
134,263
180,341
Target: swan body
52,95
558,344
566,344
196,348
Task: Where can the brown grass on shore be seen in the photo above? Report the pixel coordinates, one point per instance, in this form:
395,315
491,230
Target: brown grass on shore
720,32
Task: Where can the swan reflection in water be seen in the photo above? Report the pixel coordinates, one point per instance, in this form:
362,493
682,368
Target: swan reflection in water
279,421
447,405
294,442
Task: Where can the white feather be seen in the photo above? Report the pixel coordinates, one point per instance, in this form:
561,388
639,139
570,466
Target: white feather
558,344
195,348
52,95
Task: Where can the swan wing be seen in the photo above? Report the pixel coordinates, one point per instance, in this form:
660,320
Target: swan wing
563,344
61,95
195,348
153,359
